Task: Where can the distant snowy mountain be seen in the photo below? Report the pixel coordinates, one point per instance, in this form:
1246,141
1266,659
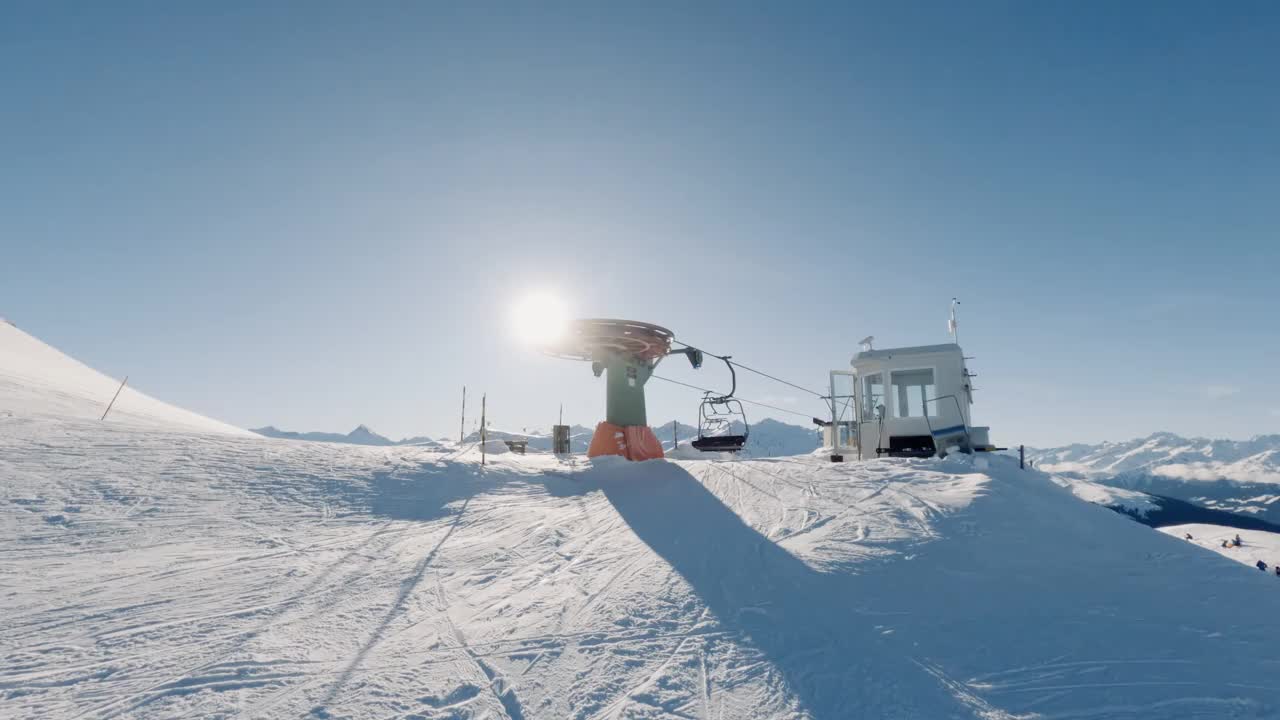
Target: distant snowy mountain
1168,455
362,435
1238,476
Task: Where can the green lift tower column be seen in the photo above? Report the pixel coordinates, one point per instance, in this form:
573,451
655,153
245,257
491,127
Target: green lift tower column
626,353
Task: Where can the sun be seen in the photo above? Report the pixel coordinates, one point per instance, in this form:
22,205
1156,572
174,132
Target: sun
539,318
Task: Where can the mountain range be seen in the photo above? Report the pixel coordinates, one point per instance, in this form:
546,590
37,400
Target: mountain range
362,435
1237,476
765,438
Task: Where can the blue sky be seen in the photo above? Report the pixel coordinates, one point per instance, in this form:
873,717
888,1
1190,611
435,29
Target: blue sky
316,215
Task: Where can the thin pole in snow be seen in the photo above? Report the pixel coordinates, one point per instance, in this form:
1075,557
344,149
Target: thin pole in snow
462,427
1022,457
675,438
483,422
113,399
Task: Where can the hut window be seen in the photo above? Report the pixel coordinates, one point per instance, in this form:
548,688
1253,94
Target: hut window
872,395
910,390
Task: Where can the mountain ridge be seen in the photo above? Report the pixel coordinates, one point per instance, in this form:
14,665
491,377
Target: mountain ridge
766,438
1236,476
361,435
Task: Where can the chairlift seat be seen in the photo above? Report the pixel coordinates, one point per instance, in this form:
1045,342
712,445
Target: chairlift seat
718,414
720,443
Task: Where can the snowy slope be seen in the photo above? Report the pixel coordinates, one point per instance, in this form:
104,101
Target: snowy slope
155,575
1256,545
36,379
1130,501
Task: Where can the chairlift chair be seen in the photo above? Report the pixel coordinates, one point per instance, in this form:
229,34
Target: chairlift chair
716,415
715,423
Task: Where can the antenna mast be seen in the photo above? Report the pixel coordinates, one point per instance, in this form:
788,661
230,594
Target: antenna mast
951,324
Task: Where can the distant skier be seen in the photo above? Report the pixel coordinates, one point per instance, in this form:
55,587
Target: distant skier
1262,566
1188,536
1278,571
1226,543
1237,542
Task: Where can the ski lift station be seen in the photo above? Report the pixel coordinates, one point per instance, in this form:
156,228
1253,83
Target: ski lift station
908,401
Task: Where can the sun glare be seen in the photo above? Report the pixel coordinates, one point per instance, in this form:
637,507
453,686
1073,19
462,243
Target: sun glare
540,318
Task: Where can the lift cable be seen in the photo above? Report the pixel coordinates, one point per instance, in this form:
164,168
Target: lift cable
758,372
736,397
777,379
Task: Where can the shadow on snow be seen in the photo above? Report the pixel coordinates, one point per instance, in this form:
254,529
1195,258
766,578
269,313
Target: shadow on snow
833,660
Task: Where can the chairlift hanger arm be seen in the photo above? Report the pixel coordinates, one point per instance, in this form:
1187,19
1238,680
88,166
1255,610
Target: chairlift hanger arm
695,359
733,380
693,353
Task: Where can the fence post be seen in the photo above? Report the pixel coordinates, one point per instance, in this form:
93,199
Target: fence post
1022,457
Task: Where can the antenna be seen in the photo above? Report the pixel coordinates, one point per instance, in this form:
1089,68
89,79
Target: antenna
951,323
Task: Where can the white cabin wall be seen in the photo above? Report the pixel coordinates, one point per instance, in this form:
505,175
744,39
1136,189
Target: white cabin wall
948,379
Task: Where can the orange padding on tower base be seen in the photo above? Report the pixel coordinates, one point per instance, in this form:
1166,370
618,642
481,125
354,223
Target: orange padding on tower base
633,442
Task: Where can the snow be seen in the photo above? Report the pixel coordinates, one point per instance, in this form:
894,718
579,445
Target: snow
36,379
1108,496
1256,544
152,572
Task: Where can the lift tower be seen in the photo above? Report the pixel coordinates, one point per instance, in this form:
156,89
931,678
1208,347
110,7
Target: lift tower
626,353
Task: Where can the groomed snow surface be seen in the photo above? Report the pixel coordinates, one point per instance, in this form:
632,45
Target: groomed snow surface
152,573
